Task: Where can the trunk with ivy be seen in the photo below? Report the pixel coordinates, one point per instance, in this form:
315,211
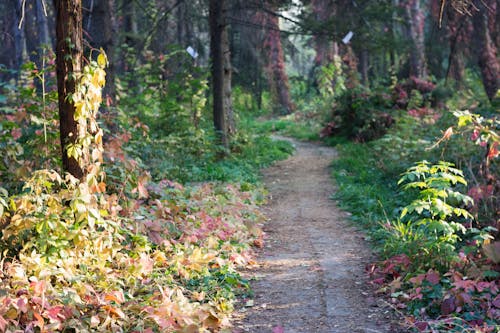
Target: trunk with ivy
69,56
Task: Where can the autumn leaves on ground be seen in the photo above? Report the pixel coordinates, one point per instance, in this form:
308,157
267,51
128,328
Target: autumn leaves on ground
149,181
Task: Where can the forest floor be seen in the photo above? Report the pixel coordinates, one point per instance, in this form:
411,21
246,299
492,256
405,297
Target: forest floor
311,272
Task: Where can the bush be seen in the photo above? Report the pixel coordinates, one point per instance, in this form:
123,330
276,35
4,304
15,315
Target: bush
360,115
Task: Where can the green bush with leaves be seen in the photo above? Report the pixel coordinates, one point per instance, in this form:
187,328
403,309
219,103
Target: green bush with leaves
431,225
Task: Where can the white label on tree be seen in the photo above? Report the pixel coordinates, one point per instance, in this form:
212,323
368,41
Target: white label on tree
347,38
192,52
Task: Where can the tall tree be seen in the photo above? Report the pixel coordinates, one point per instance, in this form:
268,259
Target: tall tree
69,62
42,23
266,17
326,49
221,71
487,54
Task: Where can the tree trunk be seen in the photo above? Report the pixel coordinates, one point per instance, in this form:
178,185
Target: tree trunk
43,25
415,19
19,35
486,49
69,55
221,71
324,11
8,50
100,24
363,66
227,82
277,76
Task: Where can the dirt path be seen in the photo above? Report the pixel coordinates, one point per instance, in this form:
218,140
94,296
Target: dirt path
311,271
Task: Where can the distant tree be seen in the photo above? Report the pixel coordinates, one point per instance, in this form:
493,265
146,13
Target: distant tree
485,27
99,24
20,42
267,35
69,62
415,23
324,12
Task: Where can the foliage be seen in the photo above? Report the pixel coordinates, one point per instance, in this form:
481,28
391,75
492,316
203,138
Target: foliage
429,287
84,262
167,93
117,251
359,115
28,123
331,82
430,226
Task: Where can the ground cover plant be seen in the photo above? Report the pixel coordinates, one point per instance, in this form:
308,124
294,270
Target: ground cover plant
437,226
124,249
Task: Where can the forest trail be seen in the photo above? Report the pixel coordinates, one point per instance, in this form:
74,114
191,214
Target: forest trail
311,276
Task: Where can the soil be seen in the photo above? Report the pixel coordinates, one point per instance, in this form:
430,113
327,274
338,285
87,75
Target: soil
311,272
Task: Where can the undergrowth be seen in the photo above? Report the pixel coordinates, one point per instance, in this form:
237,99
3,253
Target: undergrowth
128,248
455,289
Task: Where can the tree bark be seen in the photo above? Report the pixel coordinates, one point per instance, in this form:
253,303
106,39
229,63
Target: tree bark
221,70
277,76
363,66
486,49
69,56
19,35
415,29
43,25
324,11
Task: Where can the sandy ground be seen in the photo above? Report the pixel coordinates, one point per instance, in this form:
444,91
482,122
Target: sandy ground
311,274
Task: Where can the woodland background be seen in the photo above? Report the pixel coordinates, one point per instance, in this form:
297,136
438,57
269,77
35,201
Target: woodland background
165,125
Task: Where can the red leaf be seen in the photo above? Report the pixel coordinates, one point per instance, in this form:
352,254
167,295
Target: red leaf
493,152
432,277
421,325
448,306
54,313
496,301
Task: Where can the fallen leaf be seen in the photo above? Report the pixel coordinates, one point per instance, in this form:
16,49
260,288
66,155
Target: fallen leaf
278,329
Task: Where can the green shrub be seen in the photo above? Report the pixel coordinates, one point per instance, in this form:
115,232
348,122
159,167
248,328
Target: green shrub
359,115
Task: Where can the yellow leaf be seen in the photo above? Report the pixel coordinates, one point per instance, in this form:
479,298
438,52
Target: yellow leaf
102,59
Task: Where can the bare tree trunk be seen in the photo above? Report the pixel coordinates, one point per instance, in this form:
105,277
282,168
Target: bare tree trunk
227,82
8,50
324,11
220,69
278,79
99,22
69,56
363,66
486,49
42,24
19,35
130,22
415,26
